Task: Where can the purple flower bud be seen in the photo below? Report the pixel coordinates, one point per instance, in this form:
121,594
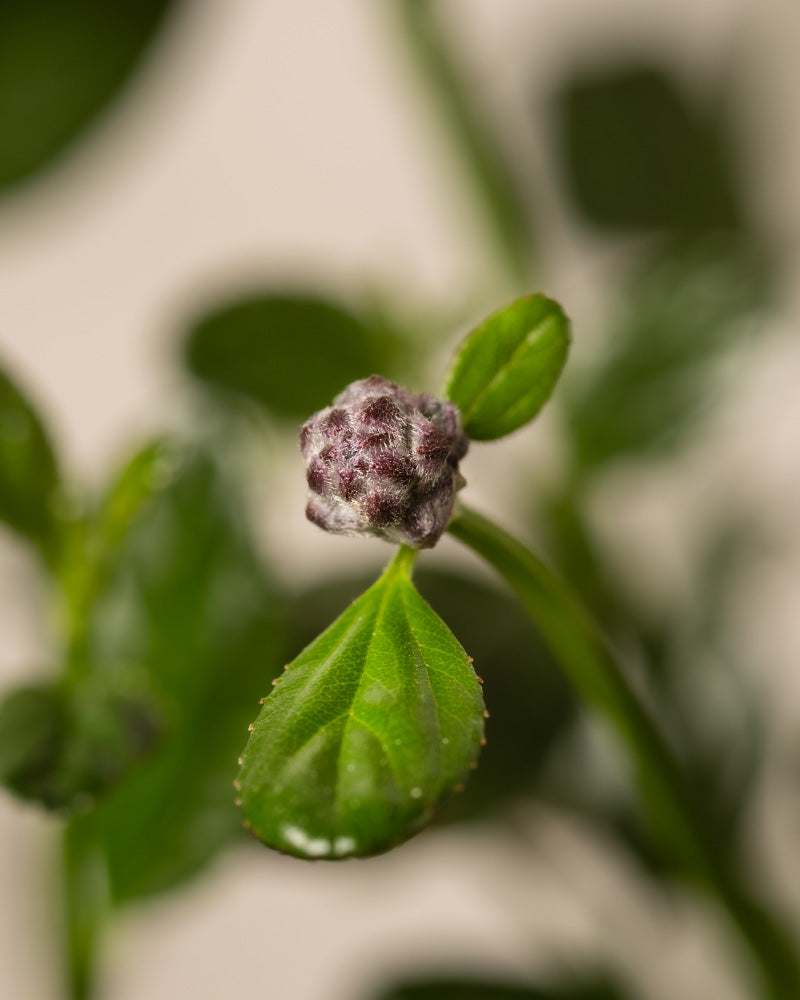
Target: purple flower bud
384,462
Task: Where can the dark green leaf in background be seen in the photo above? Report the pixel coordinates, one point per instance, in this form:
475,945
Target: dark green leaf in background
638,153
64,746
370,726
292,353
28,473
594,988
61,62
504,371
192,606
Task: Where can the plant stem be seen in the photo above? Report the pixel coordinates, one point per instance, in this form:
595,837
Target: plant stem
497,189
403,561
679,821
86,897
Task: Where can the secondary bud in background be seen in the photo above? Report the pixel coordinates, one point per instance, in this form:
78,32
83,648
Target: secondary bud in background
384,462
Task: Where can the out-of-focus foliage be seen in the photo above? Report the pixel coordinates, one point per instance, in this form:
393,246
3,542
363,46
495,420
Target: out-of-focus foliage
290,353
61,63
503,200
594,988
191,605
92,544
28,469
683,309
638,153
63,745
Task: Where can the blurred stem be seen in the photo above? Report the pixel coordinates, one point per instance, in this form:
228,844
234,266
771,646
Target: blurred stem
494,184
671,804
86,902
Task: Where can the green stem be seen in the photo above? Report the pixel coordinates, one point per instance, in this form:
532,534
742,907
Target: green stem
86,901
497,189
403,561
677,816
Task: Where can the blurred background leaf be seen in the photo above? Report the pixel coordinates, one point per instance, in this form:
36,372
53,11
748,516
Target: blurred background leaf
638,152
190,604
61,64
28,470
480,147
589,988
94,542
683,309
292,353
63,745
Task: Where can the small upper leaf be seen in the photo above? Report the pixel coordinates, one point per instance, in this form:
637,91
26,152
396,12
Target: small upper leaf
505,370
28,474
372,724
291,353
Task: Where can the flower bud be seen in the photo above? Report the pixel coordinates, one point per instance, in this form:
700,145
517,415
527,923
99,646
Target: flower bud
384,462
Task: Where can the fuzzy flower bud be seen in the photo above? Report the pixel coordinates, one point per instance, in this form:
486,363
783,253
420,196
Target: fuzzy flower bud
384,462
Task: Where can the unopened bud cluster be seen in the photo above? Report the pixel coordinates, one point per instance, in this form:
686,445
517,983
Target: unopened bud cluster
384,462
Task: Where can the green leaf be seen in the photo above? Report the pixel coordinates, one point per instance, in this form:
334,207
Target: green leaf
64,746
94,544
505,370
61,63
370,726
290,353
190,604
683,310
638,153
28,473
32,725
531,703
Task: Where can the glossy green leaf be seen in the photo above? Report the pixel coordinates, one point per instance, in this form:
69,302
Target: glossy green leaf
191,605
369,727
639,153
61,62
28,473
505,370
531,704
65,746
683,310
290,353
